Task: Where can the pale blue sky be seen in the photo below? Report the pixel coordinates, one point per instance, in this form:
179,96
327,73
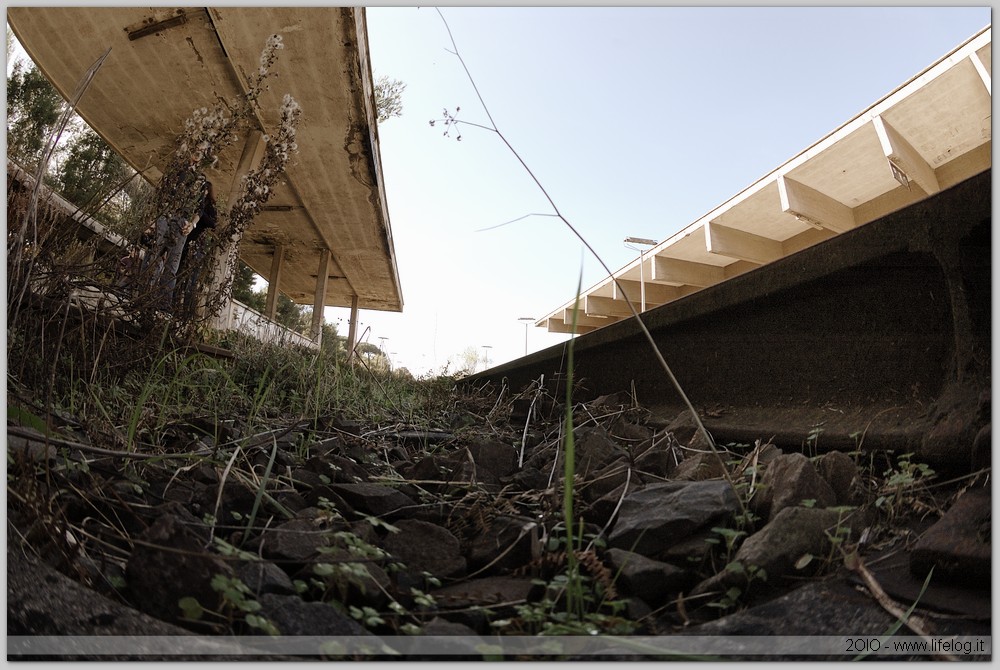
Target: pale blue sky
638,121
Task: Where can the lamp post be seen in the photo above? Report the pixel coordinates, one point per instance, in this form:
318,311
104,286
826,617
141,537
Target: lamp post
629,241
526,320
486,356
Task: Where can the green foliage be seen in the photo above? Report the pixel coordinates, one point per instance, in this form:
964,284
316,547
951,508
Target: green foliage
33,108
901,483
734,594
237,604
90,167
242,289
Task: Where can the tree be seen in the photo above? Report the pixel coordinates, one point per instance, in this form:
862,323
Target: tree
287,313
292,316
332,343
388,98
33,108
243,287
468,361
90,169
372,355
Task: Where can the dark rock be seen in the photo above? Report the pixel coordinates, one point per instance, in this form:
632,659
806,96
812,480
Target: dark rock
660,515
600,511
520,408
941,594
455,642
374,499
633,438
105,577
465,603
505,544
493,460
346,471
205,474
541,457
428,469
816,611
328,498
236,497
327,447
297,540
775,549
42,601
293,616
285,437
683,427
958,545
698,467
613,402
425,547
264,577
485,592
787,481
439,626
691,553
158,578
645,578
304,480
839,471
982,449
292,501
595,449
606,480
660,460
282,458
954,425
529,479
425,437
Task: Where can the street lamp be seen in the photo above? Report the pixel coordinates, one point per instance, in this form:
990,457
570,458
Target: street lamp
629,241
526,320
486,356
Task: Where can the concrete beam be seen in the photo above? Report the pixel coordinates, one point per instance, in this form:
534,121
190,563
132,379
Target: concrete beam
983,72
556,326
674,271
741,245
904,158
597,306
814,208
656,294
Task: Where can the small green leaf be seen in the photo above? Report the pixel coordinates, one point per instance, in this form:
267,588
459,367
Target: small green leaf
736,567
190,607
323,569
805,560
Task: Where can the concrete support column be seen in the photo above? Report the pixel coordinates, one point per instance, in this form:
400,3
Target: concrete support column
322,279
352,331
277,263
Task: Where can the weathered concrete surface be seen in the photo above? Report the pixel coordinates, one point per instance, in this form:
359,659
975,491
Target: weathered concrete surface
884,330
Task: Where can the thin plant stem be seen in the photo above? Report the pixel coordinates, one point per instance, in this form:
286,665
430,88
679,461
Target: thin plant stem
642,326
